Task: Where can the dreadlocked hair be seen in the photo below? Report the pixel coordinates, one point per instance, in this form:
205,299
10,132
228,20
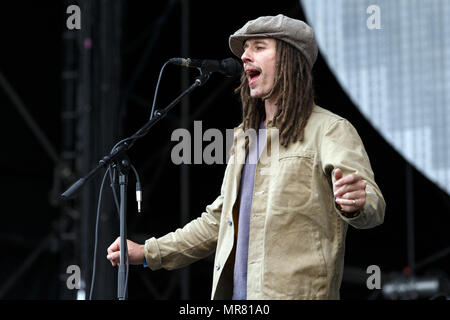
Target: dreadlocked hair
294,87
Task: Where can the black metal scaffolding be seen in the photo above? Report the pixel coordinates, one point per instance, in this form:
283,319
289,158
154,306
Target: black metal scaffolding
99,126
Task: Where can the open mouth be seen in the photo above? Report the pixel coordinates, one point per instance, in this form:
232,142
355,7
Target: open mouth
253,75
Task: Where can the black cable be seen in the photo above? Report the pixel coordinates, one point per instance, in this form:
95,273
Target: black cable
112,180
157,89
134,137
138,181
96,233
127,268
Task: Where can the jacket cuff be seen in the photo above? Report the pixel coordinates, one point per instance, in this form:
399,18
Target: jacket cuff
347,216
152,254
371,214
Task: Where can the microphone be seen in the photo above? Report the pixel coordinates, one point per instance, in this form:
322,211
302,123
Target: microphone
229,67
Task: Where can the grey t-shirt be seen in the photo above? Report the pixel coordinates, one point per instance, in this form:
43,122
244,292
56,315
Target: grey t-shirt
246,197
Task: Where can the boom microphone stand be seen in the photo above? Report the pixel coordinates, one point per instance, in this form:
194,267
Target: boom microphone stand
119,159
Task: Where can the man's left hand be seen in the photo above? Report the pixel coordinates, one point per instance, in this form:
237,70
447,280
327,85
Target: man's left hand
349,191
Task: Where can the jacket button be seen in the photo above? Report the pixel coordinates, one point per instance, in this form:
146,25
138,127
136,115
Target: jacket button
230,223
217,267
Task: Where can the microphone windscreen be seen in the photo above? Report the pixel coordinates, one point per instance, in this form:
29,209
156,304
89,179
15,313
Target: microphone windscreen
231,67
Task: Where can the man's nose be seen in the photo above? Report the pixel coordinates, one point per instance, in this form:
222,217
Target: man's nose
246,56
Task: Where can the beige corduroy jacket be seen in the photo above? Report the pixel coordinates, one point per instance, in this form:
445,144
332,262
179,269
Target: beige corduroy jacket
297,235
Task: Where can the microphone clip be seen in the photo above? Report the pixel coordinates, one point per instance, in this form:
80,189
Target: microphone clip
203,77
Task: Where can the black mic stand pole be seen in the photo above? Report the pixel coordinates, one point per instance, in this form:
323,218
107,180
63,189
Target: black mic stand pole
119,158
124,169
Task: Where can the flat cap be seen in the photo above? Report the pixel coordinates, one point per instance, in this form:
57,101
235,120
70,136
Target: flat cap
295,32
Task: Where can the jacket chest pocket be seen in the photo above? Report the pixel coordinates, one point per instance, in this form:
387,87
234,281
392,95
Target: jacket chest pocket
290,187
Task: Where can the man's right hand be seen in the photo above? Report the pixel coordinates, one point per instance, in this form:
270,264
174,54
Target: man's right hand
135,252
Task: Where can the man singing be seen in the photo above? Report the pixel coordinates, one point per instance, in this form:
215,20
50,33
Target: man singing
277,233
